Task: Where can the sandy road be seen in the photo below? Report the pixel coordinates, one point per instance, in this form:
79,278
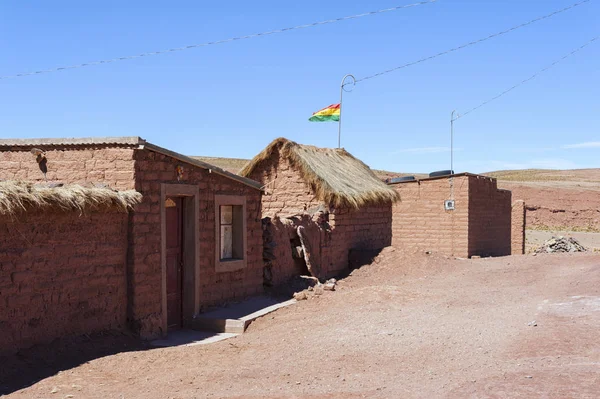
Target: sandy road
409,326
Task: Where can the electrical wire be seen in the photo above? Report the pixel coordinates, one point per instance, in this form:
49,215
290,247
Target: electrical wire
272,32
473,42
529,78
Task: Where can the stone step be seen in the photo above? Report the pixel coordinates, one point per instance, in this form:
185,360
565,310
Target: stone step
235,318
190,338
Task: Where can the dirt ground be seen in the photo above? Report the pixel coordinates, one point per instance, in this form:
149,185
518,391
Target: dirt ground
409,326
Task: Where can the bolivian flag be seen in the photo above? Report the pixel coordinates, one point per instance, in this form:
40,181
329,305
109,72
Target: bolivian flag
327,114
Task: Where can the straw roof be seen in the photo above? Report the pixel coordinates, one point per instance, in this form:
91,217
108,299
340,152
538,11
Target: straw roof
336,177
21,196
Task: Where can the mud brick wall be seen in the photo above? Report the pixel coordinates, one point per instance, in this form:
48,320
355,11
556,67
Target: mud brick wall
517,241
61,274
489,218
152,169
286,193
369,227
284,266
283,233
72,164
420,221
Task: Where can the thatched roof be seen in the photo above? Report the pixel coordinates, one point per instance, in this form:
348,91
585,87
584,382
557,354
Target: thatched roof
336,177
20,196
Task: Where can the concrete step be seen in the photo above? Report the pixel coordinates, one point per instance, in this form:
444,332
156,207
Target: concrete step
190,338
235,318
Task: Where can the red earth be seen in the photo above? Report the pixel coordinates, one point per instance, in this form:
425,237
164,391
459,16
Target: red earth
407,326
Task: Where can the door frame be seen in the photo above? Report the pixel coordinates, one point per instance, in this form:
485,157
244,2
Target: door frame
190,298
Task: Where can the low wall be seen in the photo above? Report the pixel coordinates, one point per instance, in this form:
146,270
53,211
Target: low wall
61,274
327,238
367,228
518,228
489,218
420,221
480,223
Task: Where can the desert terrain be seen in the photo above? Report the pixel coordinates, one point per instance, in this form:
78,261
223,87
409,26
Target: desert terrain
556,199
407,326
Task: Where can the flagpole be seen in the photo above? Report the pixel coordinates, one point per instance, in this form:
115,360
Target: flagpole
342,90
452,119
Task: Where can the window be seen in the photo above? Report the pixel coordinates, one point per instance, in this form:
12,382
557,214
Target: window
230,233
231,237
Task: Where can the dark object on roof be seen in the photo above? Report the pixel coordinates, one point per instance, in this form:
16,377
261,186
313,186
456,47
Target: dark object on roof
441,173
401,179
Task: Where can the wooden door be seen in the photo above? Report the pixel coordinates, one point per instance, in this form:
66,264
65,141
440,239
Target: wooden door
174,229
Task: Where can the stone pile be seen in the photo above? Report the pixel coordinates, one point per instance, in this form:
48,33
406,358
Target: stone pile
561,244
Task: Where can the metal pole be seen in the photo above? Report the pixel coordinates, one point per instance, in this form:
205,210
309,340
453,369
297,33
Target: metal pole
452,141
340,121
452,119
341,100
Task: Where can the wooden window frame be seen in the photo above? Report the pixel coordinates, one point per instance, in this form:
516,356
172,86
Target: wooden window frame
230,265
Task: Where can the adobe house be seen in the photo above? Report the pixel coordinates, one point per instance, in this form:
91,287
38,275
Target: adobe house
478,222
194,240
319,203
63,261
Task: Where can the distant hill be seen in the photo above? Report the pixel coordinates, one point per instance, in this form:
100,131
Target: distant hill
547,175
232,165
590,177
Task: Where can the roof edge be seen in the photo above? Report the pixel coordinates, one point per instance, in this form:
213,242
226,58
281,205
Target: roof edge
183,158
85,141
134,142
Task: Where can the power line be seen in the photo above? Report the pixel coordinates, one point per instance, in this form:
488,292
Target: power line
529,78
473,42
272,32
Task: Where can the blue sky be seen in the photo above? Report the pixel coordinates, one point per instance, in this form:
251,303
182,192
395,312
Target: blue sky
232,99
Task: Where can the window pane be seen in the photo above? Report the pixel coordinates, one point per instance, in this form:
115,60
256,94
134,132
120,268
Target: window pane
238,232
226,242
226,214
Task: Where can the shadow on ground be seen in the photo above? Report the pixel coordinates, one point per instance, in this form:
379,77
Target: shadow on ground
27,367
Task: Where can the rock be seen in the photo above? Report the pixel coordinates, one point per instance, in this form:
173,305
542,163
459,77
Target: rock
561,245
300,296
329,286
319,290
